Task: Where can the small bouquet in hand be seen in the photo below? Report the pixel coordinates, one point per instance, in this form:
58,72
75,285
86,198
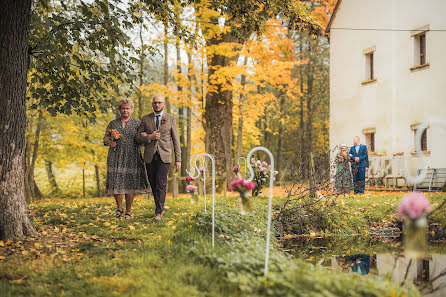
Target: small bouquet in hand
111,136
192,189
244,188
413,209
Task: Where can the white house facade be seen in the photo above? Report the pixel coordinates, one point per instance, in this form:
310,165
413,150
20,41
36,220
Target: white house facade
388,76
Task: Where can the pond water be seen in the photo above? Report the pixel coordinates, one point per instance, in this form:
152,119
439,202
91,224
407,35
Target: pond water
367,255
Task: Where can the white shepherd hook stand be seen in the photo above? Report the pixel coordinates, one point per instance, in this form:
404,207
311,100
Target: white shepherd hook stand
271,181
200,171
202,157
245,163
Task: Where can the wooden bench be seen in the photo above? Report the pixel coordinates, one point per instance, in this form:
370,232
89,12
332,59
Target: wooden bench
434,180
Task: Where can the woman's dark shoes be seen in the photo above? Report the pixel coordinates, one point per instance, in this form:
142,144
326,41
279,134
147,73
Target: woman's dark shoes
127,216
118,213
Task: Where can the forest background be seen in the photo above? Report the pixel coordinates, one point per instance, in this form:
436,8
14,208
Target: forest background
231,83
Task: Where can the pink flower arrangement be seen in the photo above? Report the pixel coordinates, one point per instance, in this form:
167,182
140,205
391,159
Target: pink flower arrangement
189,179
236,169
191,188
413,206
239,185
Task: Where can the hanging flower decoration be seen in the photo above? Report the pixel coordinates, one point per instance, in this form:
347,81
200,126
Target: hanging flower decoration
193,193
413,209
244,188
189,179
236,169
261,175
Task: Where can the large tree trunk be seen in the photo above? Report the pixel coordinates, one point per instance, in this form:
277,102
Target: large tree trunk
14,25
219,107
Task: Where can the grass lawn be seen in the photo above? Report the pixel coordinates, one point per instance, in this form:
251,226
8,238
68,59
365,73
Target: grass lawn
81,250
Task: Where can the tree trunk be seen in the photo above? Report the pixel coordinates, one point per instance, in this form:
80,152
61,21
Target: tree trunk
14,26
181,111
192,81
219,107
83,181
51,177
302,154
141,71
279,136
98,181
166,62
239,150
310,82
34,190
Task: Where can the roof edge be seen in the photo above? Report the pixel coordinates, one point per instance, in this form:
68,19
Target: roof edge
333,15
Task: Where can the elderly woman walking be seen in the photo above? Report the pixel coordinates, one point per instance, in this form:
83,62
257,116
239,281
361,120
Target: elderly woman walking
343,179
126,174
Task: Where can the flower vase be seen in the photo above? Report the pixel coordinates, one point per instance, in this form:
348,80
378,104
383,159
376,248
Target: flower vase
245,203
194,196
415,237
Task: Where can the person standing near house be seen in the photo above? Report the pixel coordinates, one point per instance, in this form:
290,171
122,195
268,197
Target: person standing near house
343,177
157,132
360,164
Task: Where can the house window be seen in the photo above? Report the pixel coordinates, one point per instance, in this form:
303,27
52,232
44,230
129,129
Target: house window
423,141
369,134
422,42
420,39
369,66
370,141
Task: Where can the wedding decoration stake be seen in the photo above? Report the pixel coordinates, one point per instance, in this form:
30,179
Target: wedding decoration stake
270,202
413,210
200,171
197,168
245,164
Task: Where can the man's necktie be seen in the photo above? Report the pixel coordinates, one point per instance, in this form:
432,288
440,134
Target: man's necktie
157,122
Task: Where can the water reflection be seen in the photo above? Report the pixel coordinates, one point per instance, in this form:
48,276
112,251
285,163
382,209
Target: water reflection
377,258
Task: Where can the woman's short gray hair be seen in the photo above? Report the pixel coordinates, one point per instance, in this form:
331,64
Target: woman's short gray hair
125,101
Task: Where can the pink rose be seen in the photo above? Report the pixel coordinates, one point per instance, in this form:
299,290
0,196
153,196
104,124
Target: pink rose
413,206
191,188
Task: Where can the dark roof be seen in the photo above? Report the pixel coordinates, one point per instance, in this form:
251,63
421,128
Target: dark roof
333,15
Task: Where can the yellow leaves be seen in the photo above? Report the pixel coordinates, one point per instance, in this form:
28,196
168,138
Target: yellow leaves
107,224
2,258
131,227
2,244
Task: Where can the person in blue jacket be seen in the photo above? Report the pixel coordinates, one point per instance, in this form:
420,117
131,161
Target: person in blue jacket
360,164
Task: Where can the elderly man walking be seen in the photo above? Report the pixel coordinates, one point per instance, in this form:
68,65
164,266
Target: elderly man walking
157,132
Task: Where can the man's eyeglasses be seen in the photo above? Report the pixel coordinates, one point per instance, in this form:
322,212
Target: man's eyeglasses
157,102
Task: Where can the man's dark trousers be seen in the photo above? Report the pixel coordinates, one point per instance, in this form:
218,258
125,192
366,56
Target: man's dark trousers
157,172
358,179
